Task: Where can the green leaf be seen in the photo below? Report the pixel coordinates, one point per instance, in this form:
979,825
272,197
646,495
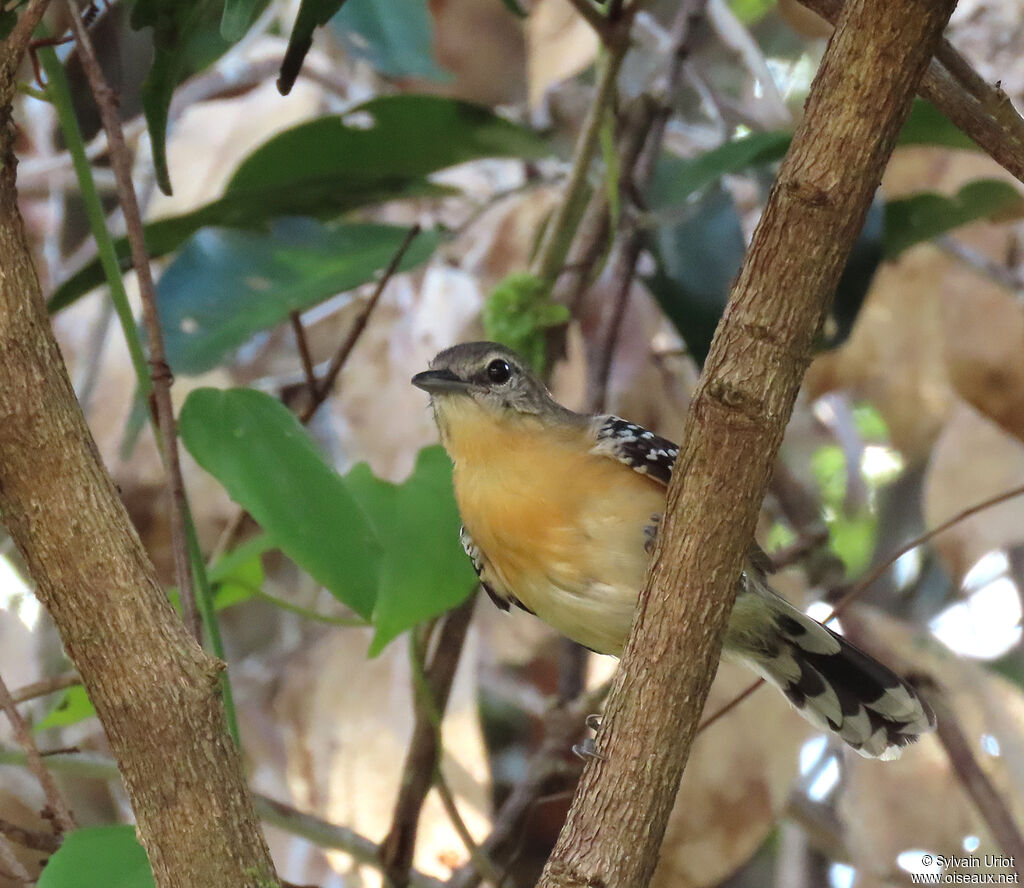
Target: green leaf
696,260
685,177
268,464
424,571
751,11
518,312
394,36
345,164
238,575
188,36
98,857
391,552
404,136
227,285
74,706
236,18
922,217
312,14
927,125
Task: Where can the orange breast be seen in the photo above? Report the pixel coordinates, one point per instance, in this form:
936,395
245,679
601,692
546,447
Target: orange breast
560,528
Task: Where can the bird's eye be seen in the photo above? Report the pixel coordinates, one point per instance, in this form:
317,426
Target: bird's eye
499,372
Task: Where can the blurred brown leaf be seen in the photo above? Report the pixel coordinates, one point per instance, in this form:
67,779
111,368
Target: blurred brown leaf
973,459
559,44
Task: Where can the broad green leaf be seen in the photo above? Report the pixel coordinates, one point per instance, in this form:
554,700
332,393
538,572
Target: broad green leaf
238,575
518,313
312,14
345,164
74,706
237,16
424,571
250,211
922,217
391,552
696,260
269,464
689,176
927,125
751,11
227,284
188,35
98,857
402,136
394,36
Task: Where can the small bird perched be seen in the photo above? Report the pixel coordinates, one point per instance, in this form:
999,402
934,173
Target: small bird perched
560,512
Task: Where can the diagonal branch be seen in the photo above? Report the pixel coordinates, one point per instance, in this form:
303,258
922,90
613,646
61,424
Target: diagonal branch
981,111
160,371
396,851
857,105
19,39
63,819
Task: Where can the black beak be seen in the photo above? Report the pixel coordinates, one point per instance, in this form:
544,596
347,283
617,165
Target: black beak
439,382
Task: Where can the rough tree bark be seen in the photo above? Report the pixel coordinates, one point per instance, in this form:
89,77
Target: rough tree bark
859,99
155,690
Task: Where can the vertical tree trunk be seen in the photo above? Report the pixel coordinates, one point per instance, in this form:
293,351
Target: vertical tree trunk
858,102
155,690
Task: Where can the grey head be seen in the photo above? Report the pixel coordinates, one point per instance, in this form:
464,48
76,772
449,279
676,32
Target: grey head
491,375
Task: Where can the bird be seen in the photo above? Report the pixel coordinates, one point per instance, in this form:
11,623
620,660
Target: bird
560,515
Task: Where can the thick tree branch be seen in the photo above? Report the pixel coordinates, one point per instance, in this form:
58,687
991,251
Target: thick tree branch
858,102
981,111
155,690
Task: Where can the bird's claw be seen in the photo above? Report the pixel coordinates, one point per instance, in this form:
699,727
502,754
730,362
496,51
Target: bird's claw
587,748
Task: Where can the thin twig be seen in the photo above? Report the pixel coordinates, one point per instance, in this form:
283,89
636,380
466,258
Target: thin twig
160,371
645,132
595,18
46,686
15,868
63,819
548,772
981,264
990,804
21,36
303,345
558,235
865,584
976,783
451,808
320,392
329,835
356,330
35,839
90,766
430,697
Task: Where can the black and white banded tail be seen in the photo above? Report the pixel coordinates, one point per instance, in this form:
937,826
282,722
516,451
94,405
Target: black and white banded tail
834,684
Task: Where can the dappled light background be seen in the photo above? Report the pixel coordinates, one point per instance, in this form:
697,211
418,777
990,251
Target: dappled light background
912,411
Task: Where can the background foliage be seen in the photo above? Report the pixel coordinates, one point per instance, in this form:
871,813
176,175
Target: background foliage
460,116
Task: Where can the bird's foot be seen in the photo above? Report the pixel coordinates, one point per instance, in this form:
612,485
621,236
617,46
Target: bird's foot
587,747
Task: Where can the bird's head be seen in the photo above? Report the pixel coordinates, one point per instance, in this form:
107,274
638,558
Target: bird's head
484,381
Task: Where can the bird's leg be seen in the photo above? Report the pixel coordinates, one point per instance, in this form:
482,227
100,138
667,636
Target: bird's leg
651,534
587,747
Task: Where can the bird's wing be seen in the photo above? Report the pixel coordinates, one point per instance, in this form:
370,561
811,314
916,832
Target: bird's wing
640,449
503,602
654,456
